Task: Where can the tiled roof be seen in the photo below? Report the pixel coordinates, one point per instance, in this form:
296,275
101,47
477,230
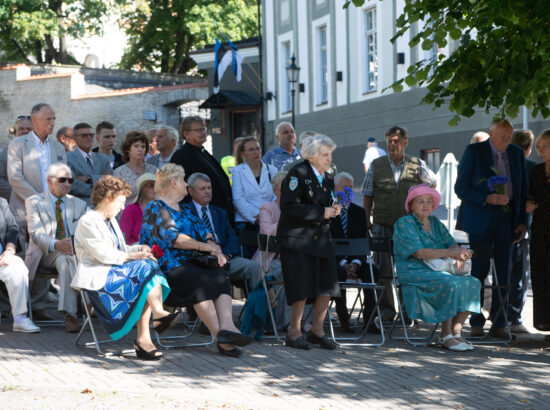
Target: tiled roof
129,91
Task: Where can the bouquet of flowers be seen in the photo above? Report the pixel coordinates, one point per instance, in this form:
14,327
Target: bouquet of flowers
157,251
496,184
345,197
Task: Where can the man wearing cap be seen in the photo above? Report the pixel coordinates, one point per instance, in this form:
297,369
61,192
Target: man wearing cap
52,217
372,152
385,188
87,166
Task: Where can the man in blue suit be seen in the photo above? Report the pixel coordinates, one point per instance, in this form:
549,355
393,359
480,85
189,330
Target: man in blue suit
490,217
217,221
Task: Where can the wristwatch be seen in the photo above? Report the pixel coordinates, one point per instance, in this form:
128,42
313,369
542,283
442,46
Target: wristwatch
89,180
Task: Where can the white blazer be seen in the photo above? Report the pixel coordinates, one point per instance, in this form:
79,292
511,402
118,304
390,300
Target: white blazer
248,195
96,251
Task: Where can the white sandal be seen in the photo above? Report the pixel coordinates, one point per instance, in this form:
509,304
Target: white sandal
446,342
461,339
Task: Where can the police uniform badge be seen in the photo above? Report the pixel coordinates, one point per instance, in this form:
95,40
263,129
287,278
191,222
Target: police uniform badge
293,184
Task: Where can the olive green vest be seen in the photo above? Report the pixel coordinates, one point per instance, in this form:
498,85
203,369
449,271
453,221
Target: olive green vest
389,199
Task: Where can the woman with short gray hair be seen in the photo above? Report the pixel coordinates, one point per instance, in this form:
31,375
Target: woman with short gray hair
307,258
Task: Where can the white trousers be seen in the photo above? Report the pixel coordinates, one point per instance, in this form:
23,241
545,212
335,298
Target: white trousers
16,278
66,267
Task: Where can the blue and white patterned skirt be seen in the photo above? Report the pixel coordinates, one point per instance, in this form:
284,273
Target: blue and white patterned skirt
119,303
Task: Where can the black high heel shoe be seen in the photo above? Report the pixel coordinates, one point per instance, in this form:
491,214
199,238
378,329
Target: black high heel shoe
143,354
166,322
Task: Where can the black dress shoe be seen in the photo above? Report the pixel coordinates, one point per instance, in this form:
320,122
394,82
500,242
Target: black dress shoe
234,338
166,322
236,352
346,328
298,343
323,341
40,316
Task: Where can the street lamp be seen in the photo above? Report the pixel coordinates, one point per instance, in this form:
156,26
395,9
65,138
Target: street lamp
292,72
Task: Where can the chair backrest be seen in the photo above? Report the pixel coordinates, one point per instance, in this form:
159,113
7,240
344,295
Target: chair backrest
248,238
381,245
272,245
352,246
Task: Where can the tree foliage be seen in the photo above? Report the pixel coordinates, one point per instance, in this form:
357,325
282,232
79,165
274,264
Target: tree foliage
37,30
162,33
501,60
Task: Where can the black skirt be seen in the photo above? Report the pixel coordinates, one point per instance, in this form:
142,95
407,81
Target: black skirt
308,276
191,284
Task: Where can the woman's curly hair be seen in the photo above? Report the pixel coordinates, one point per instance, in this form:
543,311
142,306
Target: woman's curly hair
108,187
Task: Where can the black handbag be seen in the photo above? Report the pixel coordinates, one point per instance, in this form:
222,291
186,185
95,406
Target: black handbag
206,260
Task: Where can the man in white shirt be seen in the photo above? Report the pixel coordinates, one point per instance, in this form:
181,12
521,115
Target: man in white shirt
372,152
29,157
167,141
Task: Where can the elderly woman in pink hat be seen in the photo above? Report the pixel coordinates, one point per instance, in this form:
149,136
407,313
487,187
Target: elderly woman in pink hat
431,295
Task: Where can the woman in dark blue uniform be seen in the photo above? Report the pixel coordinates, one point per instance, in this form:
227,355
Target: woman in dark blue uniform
307,259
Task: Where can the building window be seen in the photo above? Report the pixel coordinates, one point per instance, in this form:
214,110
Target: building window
371,52
285,84
432,158
322,66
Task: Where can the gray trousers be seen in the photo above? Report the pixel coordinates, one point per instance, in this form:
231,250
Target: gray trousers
66,267
244,269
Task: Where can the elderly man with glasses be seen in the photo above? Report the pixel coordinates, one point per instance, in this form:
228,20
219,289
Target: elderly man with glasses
87,166
52,217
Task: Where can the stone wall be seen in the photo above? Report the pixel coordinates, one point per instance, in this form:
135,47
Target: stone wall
65,92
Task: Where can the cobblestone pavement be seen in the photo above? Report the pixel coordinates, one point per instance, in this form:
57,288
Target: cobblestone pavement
47,370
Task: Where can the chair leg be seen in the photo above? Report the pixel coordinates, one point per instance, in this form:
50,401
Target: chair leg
270,310
190,333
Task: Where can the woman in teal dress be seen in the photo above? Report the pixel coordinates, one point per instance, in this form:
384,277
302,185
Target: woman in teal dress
434,297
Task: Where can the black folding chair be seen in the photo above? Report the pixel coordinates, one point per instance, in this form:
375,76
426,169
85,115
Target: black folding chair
44,273
264,243
485,251
399,320
359,246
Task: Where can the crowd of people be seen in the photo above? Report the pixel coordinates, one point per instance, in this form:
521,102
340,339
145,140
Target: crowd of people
157,226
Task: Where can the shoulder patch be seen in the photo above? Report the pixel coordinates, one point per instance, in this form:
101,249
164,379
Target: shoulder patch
293,184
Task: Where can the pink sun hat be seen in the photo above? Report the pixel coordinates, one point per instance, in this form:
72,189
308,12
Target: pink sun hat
419,190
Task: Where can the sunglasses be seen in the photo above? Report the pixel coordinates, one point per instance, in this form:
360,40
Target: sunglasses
23,117
62,180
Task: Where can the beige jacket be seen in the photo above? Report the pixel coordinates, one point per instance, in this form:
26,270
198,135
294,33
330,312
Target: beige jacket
96,251
42,225
24,172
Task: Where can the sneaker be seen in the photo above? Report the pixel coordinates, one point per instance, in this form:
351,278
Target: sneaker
26,326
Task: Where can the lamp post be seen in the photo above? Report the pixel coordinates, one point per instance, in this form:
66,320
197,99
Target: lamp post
292,72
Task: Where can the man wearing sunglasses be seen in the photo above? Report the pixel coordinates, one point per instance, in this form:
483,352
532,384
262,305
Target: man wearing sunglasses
87,166
52,217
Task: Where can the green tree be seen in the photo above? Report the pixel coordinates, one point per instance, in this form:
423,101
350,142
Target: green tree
162,33
501,60
37,30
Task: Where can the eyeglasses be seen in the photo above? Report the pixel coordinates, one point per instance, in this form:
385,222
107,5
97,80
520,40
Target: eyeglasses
23,117
62,180
89,135
198,129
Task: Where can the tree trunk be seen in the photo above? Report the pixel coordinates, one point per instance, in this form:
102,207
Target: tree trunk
38,52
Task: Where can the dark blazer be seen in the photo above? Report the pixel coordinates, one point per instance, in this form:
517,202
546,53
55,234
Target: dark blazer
357,228
118,158
227,237
471,186
80,167
196,159
302,226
